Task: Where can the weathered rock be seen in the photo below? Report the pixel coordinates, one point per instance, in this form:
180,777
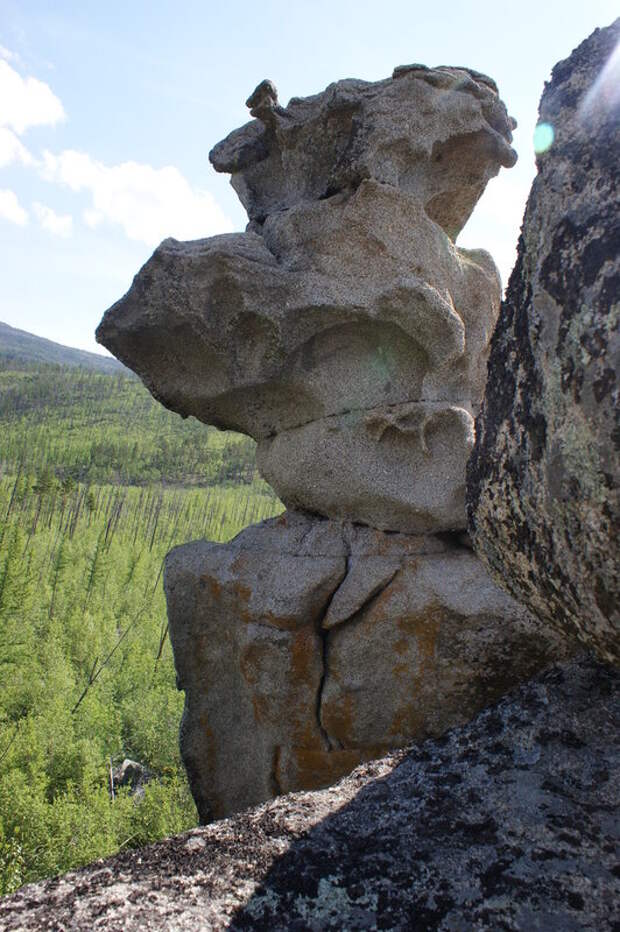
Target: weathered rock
305,646
437,133
132,774
389,467
543,478
510,822
344,331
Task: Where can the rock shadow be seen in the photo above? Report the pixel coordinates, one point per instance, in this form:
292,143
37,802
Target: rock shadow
507,823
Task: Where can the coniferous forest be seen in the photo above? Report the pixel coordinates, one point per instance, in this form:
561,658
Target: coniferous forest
97,482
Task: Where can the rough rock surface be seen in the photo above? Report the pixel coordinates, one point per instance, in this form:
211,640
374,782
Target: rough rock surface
543,478
132,774
437,133
343,330
510,822
305,646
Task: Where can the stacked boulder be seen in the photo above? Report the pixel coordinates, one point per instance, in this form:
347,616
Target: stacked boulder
347,334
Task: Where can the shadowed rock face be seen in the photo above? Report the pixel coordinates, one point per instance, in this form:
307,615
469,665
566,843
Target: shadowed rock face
306,646
543,478
509,822
344,331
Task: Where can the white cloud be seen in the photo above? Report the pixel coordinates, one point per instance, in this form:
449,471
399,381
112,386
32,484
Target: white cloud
11,209
26,102
12,150
93,218
8,55
58,224
148,203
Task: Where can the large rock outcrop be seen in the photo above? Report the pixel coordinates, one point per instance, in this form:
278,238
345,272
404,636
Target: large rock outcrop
543,479
507,823
347,334
343,330
305,646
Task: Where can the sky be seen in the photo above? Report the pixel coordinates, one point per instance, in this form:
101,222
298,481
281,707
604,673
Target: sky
108,112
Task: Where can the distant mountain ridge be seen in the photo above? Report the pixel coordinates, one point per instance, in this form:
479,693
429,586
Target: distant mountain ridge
20,345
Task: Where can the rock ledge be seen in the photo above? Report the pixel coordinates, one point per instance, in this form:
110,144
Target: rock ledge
507,823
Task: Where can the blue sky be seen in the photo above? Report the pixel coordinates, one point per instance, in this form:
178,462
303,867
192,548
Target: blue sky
108,111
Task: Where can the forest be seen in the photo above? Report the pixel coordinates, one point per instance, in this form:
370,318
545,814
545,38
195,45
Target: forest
97,482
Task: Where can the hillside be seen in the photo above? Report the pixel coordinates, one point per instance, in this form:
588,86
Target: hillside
97,483
94,427
19,345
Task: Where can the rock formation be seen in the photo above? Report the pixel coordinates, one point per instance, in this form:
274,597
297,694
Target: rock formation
132,774
509,822
347,334
343,331
543,479
305,646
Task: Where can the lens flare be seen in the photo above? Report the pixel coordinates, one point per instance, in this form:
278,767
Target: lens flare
604,94
543,137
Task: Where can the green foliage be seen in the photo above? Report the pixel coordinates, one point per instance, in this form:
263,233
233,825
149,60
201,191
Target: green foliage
76,425
12,866
86,671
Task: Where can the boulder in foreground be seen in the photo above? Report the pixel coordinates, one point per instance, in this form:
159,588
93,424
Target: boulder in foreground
544,476
510,822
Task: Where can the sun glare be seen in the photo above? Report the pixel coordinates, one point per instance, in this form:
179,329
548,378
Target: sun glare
605,91
543,137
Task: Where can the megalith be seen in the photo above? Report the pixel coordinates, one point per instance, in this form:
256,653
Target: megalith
348,335
344,331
